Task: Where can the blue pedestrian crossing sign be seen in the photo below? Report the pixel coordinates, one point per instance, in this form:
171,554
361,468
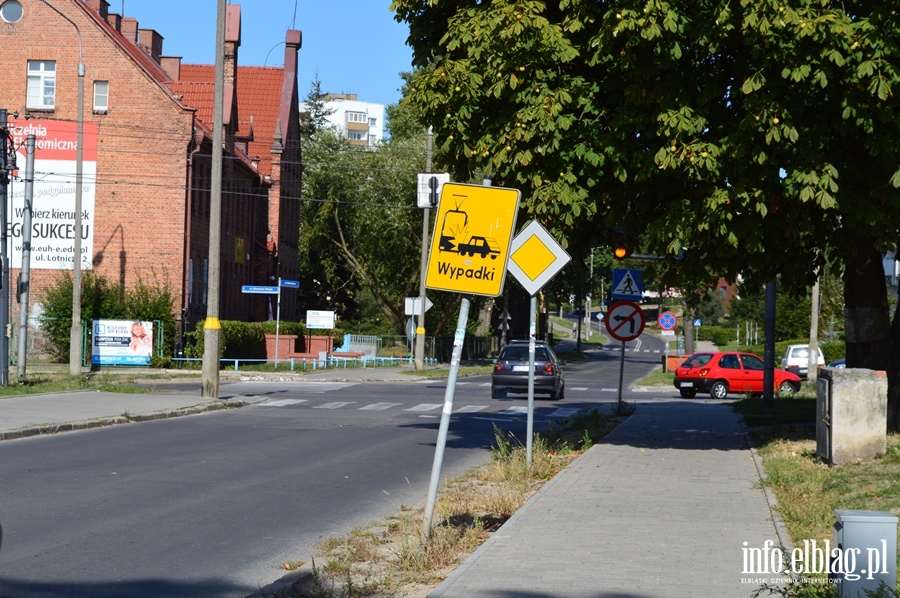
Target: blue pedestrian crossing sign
627,284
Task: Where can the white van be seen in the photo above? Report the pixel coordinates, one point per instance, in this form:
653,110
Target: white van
796,359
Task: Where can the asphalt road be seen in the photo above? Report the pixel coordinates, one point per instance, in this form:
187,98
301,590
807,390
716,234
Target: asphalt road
209,505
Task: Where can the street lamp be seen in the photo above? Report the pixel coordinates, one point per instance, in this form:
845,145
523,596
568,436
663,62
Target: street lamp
75,336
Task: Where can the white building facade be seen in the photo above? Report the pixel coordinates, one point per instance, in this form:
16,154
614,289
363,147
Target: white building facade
361,123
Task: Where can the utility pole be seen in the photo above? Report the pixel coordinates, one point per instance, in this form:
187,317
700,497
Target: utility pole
4,243
420,329
25,273
212,328
75,352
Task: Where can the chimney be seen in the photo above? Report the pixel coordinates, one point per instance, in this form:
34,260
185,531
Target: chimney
292,43
151,42
100,6
115,21
232,43
172,66
130,29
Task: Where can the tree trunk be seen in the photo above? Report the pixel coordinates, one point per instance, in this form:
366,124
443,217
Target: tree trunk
867,321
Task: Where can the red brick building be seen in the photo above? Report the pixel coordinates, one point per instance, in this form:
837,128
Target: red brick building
147,165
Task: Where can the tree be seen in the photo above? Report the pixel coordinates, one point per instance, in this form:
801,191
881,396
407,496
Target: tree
759,135
360,228
314,112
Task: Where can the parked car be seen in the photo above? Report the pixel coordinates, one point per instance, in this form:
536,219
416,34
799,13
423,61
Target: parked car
837,365
796,359
723,373
511,371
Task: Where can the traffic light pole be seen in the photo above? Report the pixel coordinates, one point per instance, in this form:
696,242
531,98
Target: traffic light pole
420,329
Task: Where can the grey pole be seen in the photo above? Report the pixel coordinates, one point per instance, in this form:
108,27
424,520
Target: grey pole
25,274
445,418
75,354
212,328
420,330
529,433
277,322
4,243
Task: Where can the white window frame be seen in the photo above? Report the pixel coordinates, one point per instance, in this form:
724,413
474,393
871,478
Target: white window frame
41,85
101,98
357,117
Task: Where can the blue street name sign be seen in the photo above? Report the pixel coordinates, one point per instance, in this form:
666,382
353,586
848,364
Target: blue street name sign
293,284
264,290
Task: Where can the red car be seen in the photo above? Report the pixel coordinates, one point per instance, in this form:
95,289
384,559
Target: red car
728,372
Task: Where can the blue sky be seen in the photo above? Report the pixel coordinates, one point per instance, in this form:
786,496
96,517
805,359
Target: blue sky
355,45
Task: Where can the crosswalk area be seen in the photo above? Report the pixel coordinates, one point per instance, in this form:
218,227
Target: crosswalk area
424,409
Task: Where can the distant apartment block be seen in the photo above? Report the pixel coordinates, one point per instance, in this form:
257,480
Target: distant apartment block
362,123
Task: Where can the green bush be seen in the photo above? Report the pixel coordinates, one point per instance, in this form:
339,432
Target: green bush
103,299
719,335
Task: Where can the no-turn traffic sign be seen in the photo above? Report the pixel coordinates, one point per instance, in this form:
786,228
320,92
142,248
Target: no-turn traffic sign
625,320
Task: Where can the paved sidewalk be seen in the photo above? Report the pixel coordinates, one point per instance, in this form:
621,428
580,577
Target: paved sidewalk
660,509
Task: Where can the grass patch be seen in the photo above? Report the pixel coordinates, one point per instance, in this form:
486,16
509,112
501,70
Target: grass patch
40,384
389,557
797,410
807,490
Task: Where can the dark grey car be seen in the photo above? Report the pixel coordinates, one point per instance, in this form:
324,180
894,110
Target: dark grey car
511,371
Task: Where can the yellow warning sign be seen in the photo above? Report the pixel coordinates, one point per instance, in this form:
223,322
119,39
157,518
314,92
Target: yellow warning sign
470,243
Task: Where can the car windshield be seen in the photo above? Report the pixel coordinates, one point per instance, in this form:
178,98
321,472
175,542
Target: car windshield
521,353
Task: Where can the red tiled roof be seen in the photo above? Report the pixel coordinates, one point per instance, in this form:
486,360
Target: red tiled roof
258,96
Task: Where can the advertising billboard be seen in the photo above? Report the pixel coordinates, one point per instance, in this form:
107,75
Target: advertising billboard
53,207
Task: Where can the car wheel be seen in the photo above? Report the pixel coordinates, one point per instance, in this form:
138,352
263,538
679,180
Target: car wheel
786,388
687,393
498,393
719,390
557,395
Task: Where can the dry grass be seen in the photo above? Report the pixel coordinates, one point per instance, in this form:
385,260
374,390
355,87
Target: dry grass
390,558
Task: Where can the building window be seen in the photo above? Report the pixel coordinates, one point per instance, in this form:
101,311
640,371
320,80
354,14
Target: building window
354,135
41,92
357,117
372,122
101,96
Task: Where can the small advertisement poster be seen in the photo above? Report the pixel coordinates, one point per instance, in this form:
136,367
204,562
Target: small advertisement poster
122,342
319,319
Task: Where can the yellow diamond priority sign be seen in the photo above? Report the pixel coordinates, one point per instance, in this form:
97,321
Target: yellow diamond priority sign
536,257
470,243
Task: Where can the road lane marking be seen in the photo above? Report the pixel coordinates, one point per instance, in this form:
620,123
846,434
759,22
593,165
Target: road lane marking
283,402
379,406
425,407
514,410
335,405
471,409
564,412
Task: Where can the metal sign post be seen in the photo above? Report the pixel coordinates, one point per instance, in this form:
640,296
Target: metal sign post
455,357
624,321
535,258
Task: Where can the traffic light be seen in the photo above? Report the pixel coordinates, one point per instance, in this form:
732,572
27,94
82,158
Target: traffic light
620,250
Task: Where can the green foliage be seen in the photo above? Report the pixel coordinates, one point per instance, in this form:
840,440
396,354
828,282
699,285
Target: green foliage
719,335
152,301
710,309
147,300
756,135
100,299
